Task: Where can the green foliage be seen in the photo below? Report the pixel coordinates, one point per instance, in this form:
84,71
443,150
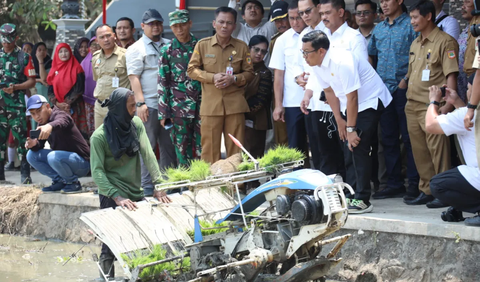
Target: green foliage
208,224
198,170
281,154
158,253
177,174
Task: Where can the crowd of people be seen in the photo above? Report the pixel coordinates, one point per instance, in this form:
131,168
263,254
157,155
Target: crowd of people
377,96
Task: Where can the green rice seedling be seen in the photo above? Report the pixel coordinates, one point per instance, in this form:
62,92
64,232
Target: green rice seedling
208,224
281,154
177,174
246,165
199,170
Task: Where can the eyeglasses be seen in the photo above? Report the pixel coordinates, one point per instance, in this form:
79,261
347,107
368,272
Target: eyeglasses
306,12
157,23
305,53
258,50
363,13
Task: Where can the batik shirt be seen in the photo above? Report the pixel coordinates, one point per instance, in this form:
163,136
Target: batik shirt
11,72
391,44
179,95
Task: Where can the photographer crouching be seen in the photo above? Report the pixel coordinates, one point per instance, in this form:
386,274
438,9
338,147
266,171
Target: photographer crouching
68,158
458,187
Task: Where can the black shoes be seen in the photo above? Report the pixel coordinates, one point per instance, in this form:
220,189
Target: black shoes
389,193
435,204
422,199
55,187
452,215
11,167
2,171
25,172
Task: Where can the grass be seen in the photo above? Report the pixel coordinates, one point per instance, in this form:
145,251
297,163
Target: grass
158,253
208,224
279,155
197,171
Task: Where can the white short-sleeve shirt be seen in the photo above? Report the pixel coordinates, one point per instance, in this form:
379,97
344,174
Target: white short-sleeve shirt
142,60
348,38
284,58
449,25
452,123
345,73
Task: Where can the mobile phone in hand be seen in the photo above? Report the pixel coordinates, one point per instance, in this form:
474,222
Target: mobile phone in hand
168,124
34,134
443,89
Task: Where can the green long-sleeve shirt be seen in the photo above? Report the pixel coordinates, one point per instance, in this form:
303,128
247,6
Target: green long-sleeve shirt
122,177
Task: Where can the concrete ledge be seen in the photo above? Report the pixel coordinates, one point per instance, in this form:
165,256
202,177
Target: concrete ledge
74,200
393,216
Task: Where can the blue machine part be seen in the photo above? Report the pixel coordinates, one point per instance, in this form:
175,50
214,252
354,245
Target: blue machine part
198,230
303,179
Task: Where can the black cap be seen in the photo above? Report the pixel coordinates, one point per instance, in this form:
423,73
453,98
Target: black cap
151,15
279,10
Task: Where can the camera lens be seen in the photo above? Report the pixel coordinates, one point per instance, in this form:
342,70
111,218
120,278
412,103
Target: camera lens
475,30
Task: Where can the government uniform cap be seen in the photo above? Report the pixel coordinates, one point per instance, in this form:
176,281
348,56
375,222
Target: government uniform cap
279,10
179,16
8,33
151,15
35,102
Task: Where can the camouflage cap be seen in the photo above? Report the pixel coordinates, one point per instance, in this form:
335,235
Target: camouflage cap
179,16
8,33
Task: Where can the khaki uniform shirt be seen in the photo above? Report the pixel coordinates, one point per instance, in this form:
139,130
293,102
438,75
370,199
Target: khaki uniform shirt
442,61
471,48
208,59
105,69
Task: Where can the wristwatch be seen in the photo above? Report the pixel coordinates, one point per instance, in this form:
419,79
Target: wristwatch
435,103
139,104
235,78
351,129
470,106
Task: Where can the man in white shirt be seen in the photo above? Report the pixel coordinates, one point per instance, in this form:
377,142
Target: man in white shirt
356,95
458,187
142,69
288,95
338,31
252,11
445,22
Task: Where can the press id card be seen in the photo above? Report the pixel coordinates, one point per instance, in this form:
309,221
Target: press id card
115,82
229,71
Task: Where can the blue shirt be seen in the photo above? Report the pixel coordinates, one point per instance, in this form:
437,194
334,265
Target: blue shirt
391,44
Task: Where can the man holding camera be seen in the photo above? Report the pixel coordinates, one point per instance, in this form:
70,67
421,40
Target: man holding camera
68,158
458,187
17,74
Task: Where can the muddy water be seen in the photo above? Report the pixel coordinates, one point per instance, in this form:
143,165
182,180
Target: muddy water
22,259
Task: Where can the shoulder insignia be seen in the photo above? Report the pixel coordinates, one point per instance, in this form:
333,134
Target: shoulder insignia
451,54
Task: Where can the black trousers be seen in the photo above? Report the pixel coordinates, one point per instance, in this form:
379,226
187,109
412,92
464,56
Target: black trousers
453,189
327,154
105,203
358,164
296,131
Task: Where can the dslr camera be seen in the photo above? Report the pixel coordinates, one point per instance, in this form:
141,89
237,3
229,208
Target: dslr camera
475,28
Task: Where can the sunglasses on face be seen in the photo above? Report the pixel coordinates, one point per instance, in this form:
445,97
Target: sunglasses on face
306,12
258,50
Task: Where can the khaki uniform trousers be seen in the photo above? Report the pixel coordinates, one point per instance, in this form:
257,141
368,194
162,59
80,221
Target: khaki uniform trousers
280,131
431,152
100,114
211,129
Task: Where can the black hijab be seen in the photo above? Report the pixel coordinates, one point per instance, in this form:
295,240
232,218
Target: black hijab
76,49
47,61
119,128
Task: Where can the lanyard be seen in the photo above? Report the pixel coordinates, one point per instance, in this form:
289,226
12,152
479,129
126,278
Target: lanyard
155,47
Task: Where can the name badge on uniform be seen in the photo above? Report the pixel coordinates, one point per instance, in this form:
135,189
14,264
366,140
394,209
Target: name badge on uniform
115,82
229,70
426,75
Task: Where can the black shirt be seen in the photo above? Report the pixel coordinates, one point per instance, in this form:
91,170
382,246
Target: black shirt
65,135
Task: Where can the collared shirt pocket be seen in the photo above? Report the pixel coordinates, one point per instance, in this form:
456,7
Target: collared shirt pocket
210,64
237,65
151,61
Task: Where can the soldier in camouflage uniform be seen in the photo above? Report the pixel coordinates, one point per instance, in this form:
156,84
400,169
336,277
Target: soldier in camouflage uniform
179,95
17,74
